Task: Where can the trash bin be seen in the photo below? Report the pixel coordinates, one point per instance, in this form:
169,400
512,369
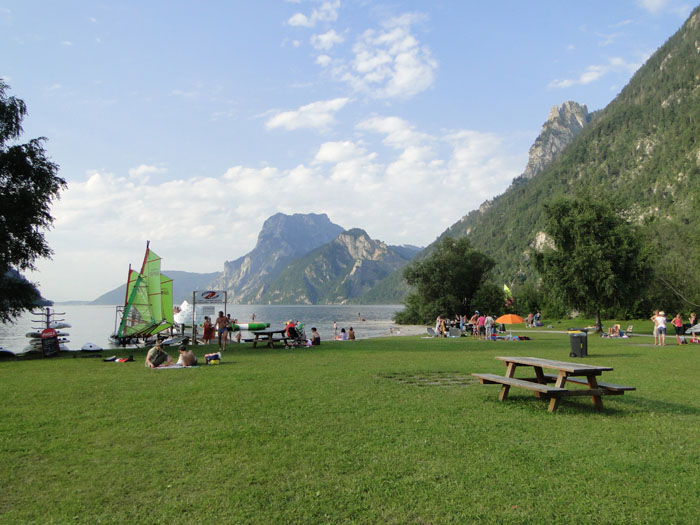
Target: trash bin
579,342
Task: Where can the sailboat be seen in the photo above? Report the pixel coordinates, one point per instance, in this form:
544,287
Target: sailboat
148,303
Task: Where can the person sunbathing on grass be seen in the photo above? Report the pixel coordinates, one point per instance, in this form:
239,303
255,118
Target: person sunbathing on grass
157,357
187,357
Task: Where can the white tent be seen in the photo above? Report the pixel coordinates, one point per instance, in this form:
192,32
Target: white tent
184,316
693,329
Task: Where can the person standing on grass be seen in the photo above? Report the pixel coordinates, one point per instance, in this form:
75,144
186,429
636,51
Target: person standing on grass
208,329
229,328
677,323
481,322
661,324
221,329
488,326
656,326
238,332
473,323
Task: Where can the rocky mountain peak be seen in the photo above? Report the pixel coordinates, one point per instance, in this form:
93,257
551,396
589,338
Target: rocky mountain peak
360,246
562,125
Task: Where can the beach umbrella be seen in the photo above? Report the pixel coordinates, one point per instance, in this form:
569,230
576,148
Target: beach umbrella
510,319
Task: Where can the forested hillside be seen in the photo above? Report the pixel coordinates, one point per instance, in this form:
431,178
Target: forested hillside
643,153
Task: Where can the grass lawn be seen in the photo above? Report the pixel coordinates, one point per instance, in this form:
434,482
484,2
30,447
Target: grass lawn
377,431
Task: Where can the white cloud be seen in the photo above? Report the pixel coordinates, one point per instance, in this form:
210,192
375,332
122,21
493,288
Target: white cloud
66,43
326,41
409,193
317,115
390,63
595,72
143,171
656,7
327,12
341,151
323,60
398,133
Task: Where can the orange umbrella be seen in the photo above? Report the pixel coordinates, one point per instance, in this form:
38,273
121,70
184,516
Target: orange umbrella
510,319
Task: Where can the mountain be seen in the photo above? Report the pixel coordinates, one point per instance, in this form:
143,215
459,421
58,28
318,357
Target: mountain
562,125
337,272
559,129
184,283
282,239
642,151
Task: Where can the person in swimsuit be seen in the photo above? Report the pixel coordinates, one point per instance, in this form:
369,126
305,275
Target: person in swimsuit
187,357
221,328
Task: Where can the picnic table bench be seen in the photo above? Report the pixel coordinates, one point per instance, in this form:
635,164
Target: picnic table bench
575,373
268,337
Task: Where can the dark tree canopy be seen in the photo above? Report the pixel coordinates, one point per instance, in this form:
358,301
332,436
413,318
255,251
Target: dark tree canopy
29,182
598,260
444,282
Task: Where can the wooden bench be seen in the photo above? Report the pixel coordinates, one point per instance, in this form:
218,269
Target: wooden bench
507,382
612,389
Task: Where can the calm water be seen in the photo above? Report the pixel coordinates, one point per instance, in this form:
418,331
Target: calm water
94,324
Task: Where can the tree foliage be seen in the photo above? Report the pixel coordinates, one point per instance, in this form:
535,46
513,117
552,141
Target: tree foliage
597,261
445,282
28,184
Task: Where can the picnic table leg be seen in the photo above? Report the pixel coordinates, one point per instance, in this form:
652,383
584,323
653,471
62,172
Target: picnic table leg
540,379
255,342
510,372
597,400
554,401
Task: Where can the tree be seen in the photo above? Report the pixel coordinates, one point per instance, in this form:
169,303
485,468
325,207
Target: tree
444,282
597,259
28,184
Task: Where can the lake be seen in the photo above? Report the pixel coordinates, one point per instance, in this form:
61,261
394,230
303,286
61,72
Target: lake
95,323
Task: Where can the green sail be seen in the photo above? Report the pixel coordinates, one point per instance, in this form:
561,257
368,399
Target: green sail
137,312
166,294
151,270
149,300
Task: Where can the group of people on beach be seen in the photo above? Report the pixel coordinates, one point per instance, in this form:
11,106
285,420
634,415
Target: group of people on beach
660,320
483,326
343,335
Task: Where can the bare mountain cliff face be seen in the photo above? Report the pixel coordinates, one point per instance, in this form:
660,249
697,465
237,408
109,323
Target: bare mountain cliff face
338,271
282,239
562,125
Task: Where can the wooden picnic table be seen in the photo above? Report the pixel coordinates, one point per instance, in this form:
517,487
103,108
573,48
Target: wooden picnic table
577,373
268,337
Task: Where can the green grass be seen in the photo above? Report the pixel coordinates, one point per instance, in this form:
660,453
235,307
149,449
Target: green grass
377,431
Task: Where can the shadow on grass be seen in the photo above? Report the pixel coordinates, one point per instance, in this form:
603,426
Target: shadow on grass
596,356
633,406
637,404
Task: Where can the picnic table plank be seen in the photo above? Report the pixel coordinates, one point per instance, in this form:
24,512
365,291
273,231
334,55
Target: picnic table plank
606,386
523,383
572,368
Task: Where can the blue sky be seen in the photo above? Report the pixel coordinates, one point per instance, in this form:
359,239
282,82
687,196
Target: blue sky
189,123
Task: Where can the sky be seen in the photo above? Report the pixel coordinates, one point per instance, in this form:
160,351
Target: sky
189,123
